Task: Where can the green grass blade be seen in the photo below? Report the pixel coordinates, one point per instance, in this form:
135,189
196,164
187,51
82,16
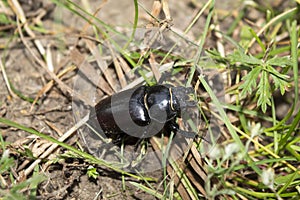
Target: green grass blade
136,17
294,52
66,146
228,124
154,193
200,48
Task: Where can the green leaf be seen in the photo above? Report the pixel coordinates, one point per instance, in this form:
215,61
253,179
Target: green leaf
276,73
263,92
281,84
92,172
280,61
215,55
250,81
240,56
287,179
33,180
280,80
257,39
6,162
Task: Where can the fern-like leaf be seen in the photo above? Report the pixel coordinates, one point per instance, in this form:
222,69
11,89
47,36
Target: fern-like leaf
239,56
280,80
263,92
250,81
280,61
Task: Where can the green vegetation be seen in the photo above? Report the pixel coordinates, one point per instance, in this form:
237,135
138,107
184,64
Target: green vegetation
256,154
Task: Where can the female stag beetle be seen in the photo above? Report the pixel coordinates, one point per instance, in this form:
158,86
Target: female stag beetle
142,112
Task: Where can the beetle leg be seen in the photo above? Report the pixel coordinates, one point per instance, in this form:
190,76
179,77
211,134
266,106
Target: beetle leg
137,144
119,140
187,134
173,126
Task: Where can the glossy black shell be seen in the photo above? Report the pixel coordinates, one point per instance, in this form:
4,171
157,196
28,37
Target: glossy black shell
139,112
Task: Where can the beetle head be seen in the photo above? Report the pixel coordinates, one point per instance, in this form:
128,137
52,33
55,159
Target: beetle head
183,96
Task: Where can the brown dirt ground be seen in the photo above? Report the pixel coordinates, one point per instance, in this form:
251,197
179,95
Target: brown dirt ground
68,179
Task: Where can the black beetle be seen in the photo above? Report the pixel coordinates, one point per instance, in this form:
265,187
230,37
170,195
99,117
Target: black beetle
142,112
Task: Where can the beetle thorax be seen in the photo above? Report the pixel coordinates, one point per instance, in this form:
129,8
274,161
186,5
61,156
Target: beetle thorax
159,103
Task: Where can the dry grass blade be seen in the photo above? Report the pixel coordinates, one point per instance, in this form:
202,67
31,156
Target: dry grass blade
3,181
48,58
79,60
20,15
66,55
163,68
5,10
54,146
195,173
16,7
39,146
6,80
61,84
156,9
125,67
52,126
198,167
102,64
219,36
179,186
154,67
117,66
178,171
186,176
87,25
196,161
50,84
165,7
266,26
120,74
